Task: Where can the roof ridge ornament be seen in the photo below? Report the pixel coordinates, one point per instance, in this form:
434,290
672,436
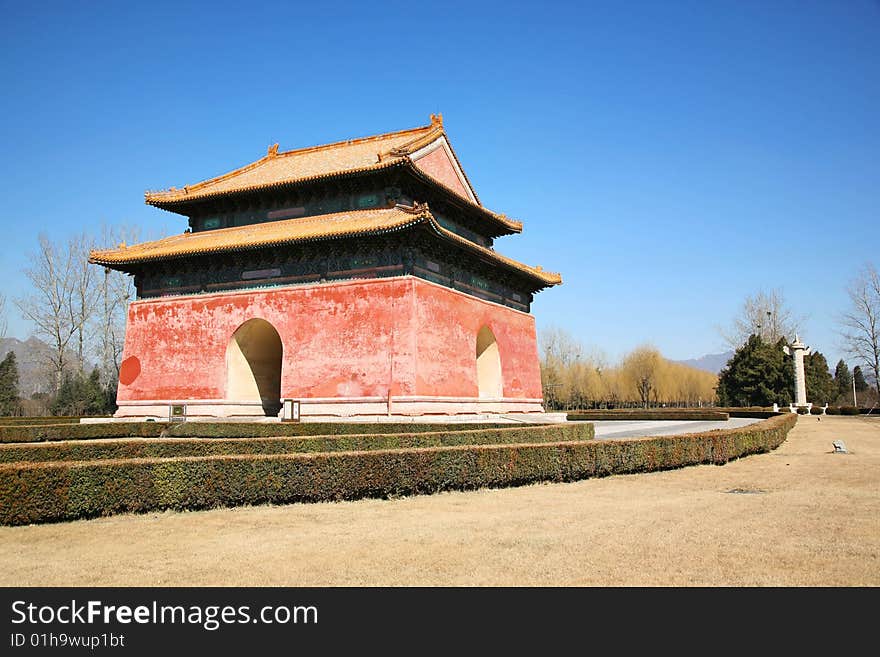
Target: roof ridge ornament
437,120
415,208
273,150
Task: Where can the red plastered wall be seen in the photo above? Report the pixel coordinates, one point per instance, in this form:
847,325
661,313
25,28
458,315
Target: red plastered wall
350,339
438,165
448,323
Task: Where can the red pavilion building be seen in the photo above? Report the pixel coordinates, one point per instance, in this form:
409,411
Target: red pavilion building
357,278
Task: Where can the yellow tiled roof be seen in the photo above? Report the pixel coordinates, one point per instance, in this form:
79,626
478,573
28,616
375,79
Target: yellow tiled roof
297,165
327,161
289,231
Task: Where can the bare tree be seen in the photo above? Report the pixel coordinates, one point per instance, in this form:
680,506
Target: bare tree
558,350
114,294
861,324
766,315
641,368
559,345
570,372
56,306
85,293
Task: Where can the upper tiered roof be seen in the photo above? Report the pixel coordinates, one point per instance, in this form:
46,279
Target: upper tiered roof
404,148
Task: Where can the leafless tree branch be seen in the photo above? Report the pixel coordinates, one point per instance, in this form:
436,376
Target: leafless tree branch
860,325
115,291
62,299
766,315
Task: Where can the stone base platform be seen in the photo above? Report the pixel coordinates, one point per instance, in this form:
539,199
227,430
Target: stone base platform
364,409
511,418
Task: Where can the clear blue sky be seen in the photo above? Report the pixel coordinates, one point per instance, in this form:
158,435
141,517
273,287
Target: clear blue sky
668,158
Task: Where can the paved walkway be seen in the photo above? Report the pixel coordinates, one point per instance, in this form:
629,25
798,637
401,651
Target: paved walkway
611,429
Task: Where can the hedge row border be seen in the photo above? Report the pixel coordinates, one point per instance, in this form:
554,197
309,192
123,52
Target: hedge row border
57,432
31,493
91,450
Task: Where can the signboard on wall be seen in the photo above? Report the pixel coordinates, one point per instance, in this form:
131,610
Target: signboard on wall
290,410
177,413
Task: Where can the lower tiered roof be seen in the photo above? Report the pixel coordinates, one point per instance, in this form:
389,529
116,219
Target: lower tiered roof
352,223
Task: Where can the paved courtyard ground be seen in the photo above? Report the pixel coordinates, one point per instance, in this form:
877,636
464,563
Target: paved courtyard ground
800,515
608,429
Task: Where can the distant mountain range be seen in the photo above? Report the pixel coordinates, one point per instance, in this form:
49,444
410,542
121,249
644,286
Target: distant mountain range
710,362
31,359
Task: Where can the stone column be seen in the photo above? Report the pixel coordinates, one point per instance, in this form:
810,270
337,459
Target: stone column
799,350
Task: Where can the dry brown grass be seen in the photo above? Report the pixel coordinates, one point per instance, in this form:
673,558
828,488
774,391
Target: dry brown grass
815,522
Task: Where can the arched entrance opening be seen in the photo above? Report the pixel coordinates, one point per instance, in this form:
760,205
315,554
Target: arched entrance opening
253,365
488,365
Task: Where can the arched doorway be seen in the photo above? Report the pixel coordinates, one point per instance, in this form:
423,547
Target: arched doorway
253,365
488,365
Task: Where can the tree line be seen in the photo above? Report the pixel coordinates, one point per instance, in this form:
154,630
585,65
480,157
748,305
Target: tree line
760,373
79,310
575,378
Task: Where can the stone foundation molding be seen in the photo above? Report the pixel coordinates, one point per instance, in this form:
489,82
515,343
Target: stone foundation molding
330,408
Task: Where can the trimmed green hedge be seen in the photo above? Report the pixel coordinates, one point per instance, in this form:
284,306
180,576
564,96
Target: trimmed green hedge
85,450
650,414
31,434
851,410
55,491
763,415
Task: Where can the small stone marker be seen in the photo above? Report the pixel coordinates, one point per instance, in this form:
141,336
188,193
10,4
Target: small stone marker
839,447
